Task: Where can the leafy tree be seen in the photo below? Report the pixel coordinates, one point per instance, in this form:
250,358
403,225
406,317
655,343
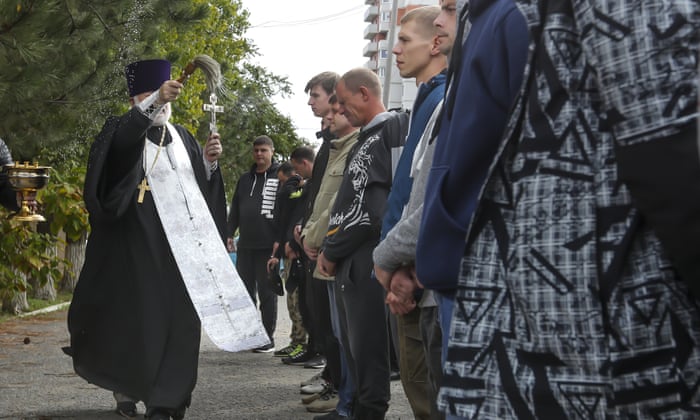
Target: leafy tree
61,75
248,108
61,69
24,254
56,55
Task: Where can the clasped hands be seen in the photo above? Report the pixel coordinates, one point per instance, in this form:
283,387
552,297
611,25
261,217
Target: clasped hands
400,287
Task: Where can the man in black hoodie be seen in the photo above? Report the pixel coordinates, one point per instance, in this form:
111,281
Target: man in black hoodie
252,212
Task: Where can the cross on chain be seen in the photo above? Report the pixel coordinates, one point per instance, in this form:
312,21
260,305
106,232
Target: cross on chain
214,109
143,187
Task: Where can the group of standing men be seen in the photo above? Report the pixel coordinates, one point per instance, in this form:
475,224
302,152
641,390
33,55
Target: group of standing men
544,261
534,229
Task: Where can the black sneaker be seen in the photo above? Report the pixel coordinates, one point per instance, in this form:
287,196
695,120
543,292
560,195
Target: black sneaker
316,362
298,359
126,409
289,350
267,348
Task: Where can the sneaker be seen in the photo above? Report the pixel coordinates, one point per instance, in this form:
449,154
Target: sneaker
298,359
267,348
298,350
333,415
315,388
317,362
308,399
126,409
319,381
316,378
325,403
286,351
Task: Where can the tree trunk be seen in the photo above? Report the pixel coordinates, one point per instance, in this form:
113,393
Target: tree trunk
16,303
46,291
75,254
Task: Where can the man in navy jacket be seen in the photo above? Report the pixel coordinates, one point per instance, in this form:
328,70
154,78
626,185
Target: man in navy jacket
484,76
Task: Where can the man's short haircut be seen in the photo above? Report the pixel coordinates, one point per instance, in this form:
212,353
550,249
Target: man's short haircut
424,18
326,80
332,100
361,76
303,153
286,168
260,140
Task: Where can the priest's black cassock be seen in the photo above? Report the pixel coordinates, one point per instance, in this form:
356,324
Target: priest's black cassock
133,327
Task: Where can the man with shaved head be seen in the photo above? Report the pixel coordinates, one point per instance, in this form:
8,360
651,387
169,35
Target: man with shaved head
353,232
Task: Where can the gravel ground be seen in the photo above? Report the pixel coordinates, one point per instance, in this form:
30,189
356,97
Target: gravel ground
37,380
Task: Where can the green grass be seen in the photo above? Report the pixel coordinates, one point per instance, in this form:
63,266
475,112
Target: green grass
36,304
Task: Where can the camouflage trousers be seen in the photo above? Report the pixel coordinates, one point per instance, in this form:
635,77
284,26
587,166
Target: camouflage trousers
298,333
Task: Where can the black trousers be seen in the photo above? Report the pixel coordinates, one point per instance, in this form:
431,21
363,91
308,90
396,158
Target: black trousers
252,267
364,332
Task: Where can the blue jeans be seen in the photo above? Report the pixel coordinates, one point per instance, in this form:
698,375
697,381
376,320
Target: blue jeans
346,389
446,303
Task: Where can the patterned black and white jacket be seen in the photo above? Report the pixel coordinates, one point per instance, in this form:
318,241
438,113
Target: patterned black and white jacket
573,297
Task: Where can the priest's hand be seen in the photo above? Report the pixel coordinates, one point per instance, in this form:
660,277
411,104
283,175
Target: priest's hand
213,148
169,91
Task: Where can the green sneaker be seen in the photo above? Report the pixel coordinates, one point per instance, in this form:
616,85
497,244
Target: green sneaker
284,352
299,348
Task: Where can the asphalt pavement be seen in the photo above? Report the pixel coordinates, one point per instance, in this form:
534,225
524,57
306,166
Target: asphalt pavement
37,380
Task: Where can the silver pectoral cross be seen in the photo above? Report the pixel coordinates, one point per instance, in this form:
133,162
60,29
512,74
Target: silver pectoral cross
214,109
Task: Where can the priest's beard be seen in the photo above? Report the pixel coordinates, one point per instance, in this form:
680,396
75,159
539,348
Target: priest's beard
162,117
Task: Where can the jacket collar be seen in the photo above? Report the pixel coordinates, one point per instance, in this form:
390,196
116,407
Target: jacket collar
477,7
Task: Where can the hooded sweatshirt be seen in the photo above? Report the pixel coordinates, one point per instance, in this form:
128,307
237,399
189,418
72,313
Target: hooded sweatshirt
252,209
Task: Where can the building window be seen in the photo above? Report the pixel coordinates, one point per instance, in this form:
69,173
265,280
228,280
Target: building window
386,16
383,54
380,71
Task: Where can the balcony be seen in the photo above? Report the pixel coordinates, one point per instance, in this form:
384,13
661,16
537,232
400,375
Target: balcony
371,64
384,27
370,49
371,13
370,31
370,2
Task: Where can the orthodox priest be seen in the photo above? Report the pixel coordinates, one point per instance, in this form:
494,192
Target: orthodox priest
133,327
